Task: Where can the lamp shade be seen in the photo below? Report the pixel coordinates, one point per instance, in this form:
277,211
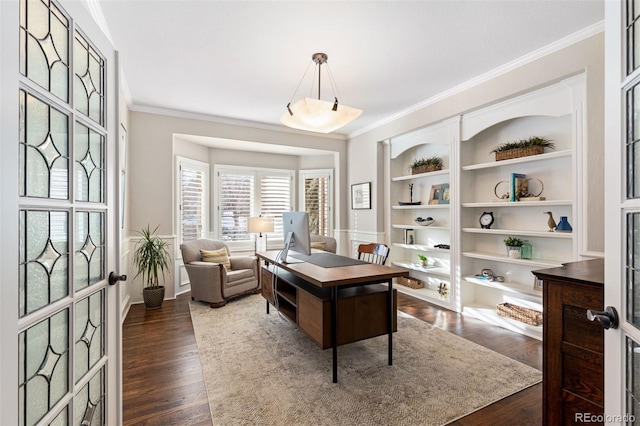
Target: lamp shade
317,115
258,225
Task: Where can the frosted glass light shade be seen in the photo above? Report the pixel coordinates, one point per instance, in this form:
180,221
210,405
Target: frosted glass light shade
318,116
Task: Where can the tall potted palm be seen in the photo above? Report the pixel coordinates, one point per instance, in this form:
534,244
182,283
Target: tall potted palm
151,257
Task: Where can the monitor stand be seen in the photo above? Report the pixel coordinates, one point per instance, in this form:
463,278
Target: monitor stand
284,254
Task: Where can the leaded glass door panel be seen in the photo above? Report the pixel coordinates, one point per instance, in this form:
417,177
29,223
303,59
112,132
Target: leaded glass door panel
622,210
60,323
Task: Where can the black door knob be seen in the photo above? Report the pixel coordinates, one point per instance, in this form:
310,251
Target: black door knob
113,278
607,318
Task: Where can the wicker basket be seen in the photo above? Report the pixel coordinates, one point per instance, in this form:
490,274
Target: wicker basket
519,313
425,169
410,282
519,152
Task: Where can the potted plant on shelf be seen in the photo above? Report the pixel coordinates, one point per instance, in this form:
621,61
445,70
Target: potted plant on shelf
423,259
513,247
524,147
151,258
424,165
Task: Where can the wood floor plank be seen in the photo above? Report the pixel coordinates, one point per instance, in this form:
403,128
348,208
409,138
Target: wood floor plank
163,382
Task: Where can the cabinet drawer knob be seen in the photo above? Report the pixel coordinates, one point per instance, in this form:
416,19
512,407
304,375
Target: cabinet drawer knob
607,318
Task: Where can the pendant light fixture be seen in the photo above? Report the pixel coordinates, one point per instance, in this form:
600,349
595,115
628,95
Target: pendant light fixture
317,115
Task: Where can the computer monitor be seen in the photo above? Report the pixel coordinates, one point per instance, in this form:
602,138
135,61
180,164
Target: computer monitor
295,228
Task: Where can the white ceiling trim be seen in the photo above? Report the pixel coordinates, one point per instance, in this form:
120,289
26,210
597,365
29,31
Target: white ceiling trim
231,121
496,72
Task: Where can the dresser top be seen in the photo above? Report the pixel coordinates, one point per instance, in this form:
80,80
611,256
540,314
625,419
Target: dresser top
584,271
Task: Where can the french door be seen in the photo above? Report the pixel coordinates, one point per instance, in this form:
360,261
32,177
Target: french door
622,210
60,321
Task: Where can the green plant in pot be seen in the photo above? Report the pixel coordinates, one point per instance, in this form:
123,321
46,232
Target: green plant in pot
151,258
423,165
513,247
523,147
423,259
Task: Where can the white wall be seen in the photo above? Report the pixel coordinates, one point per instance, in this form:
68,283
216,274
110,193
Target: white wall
585,56
151,174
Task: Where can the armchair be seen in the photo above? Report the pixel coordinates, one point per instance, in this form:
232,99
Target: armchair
323,243
212,282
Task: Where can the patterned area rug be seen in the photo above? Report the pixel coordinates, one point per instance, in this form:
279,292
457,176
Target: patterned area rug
260,369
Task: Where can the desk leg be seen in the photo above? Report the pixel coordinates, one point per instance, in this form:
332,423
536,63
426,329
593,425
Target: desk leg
334,331
267,306
390,323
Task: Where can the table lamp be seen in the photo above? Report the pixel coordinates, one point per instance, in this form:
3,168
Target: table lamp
258,225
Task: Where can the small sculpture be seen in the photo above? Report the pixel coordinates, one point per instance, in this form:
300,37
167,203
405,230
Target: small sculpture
551,223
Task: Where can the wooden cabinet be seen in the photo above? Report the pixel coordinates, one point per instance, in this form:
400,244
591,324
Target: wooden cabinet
573,363
362,311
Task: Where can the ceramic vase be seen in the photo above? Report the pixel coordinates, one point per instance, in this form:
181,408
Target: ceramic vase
563,225
513,252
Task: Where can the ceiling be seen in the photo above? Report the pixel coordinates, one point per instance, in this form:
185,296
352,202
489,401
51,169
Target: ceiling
242,60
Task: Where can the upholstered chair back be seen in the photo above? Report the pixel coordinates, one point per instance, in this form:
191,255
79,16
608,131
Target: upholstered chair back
191,249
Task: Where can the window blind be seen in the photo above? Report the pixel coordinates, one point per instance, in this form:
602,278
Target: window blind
192,202
316,203
245,193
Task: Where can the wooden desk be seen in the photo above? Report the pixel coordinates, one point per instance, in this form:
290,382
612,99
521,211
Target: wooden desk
307,286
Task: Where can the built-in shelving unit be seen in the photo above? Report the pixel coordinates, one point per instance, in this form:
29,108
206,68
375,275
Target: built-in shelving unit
465,142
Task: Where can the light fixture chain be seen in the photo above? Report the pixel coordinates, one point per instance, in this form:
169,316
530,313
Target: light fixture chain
334,86
301,80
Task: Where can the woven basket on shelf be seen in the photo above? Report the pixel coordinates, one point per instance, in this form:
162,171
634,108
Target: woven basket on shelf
425,169
520,313
519,152
410,282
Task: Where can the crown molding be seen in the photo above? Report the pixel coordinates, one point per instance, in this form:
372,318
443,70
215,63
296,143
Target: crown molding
557,45
230,121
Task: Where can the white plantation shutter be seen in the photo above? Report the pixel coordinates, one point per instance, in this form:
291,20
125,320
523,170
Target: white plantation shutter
275,197
316,198
194,178
236,205
245,193
316,203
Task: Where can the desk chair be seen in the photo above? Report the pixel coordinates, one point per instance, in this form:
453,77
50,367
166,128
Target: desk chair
373,253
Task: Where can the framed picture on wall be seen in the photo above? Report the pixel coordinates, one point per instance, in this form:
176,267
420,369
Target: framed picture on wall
361,196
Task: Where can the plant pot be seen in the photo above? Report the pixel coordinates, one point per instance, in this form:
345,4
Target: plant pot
425,169
513,252
153,297
519,152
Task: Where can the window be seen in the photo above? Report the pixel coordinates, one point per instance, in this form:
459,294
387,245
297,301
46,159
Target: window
244,192
193,184
316,199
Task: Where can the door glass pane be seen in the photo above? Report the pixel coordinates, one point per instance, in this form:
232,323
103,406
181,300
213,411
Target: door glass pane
633,268
89,156
44,269
89,336
633,382
89,402
89,80
90,249
44,143
43,362
61,419
44,38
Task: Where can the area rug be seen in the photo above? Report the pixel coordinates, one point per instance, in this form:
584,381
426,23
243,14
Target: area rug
260,369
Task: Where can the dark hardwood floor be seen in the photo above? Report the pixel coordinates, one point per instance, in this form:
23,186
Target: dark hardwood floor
163,382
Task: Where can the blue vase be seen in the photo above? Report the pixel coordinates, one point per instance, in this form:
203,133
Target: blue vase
564,226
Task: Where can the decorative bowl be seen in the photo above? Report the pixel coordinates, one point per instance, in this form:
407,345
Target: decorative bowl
424,221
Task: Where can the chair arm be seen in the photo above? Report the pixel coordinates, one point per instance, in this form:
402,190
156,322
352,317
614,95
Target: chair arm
207,279
244,262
